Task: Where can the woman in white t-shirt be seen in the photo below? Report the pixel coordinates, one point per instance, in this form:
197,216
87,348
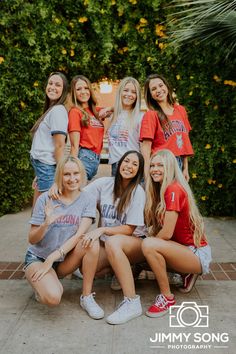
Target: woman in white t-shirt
55,238
121,201
124,126
49,133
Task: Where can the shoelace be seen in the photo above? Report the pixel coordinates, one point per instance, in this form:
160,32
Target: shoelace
91,298
121,304
161,301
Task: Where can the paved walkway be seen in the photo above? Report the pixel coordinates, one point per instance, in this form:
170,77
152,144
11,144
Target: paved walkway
27,327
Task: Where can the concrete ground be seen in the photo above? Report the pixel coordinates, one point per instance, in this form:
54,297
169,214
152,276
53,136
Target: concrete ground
27,327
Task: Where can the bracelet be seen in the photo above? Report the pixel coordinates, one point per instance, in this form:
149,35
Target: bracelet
61,251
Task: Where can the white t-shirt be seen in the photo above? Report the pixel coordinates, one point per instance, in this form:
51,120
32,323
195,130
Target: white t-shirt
121,138
55,122
102,189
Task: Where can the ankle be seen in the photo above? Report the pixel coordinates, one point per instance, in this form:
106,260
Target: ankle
131,298
169,296
85,294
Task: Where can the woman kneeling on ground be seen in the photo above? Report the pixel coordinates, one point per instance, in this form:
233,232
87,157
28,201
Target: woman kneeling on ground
57,227
178,240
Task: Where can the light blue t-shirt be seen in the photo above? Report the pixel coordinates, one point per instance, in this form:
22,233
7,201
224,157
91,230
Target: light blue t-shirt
65,226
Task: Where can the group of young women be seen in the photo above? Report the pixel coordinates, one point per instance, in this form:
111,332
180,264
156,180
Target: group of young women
160,224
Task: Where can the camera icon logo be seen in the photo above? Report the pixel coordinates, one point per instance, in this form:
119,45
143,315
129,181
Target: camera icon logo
189,314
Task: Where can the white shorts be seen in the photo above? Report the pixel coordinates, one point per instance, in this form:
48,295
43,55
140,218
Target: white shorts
204,254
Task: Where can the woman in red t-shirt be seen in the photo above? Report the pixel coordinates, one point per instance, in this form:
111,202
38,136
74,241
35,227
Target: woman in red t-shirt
178,240
165,125
85,129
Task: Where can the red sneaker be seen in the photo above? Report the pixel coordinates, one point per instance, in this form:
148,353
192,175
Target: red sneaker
160,307
188,282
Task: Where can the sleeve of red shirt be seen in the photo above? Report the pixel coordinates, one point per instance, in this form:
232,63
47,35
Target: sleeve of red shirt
74,124
148,126
172,198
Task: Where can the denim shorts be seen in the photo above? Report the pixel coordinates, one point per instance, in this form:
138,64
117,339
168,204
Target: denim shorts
44,173
90,161
204,255
31,258
180,161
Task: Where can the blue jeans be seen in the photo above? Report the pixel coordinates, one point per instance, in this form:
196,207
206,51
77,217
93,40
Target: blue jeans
44,173
90,161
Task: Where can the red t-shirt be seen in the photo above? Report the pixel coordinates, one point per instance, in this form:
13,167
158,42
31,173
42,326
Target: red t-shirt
176,199
175,139
91,137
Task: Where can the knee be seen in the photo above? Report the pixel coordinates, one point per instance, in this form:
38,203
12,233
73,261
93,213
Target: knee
51,298
95,248
112,246
151,245
147,246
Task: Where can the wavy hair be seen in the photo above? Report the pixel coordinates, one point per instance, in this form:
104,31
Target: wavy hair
60,169
155,204
134,113
154,105
124,195
92,102
48,104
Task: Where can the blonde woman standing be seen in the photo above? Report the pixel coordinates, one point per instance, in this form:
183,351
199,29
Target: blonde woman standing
178,239
124,126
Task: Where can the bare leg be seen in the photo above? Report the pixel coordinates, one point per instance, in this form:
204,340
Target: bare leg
49,287
89,266
35,197
103,266
162,253
88,258
121,251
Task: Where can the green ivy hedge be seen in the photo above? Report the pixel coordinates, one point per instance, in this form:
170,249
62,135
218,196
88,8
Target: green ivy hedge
113,39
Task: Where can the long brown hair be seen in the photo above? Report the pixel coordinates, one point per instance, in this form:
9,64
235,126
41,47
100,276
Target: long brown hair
91,102
48,104
153,104
125,195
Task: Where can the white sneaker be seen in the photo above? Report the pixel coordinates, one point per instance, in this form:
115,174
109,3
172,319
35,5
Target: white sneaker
115,285
89,304
78,274
126,311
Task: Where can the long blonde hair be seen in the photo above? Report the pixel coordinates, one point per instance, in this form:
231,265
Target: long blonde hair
60,168
134,114
155,204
